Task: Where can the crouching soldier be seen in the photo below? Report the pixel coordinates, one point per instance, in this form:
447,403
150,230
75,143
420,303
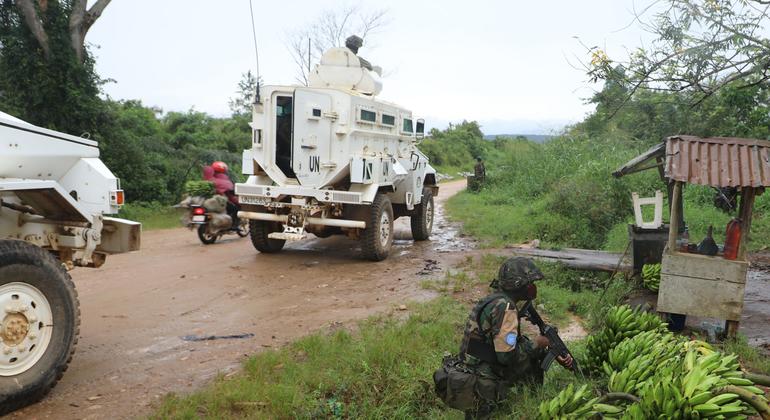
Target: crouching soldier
494,355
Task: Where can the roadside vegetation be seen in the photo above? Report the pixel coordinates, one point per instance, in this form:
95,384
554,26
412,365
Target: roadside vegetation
562,192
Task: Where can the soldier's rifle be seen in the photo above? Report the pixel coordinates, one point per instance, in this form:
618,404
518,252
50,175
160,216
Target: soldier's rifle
556,348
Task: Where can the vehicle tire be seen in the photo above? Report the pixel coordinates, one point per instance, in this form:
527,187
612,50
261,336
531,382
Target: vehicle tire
38,336
377,238
243,229
204,235
422,218
260,230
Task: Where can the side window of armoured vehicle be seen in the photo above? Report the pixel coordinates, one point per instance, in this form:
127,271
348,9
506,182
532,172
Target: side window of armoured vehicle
408,127
367,116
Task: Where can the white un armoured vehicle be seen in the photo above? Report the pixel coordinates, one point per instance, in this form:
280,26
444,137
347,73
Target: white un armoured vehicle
330,158
54,191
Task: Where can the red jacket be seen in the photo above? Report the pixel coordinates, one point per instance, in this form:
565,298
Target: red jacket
222,183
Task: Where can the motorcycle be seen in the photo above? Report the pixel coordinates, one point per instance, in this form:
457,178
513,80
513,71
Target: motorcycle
212,225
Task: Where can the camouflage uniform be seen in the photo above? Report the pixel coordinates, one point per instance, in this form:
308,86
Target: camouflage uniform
494,355
480,171
519,365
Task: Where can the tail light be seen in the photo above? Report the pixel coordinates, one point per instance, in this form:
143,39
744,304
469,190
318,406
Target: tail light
199,211
117,197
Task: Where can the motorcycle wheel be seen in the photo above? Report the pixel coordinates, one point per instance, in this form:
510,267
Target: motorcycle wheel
243,228
205,237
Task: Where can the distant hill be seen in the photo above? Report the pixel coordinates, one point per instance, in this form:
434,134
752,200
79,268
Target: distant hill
537,138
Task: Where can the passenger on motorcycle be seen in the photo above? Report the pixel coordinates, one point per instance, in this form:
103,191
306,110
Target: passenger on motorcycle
218,174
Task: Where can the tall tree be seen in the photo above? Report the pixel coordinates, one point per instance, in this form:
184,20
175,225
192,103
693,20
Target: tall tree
247,89
81,18
46,73
330,29
700,47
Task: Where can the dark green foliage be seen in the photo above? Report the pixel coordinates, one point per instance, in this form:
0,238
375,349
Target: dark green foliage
457,147
58,92
153,154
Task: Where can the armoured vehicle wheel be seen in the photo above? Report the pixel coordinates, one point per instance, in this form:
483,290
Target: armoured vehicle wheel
377,238
39,323
260,230
422,219
205,237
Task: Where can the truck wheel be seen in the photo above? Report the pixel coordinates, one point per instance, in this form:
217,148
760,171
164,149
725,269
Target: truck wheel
377,238
422,219
204,235
260,230
39,323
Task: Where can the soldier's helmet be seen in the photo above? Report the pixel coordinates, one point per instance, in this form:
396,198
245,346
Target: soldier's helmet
516,273
354,42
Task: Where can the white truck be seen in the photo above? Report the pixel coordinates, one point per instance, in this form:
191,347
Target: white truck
330,158
54,193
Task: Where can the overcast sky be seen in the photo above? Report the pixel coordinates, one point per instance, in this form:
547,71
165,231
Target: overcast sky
506,64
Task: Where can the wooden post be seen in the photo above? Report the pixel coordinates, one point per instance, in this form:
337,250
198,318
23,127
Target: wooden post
673,230
746,211
747,206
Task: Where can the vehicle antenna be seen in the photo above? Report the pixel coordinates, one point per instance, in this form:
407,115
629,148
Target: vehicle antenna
256,50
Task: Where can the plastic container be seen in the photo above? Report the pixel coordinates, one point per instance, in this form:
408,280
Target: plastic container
733,239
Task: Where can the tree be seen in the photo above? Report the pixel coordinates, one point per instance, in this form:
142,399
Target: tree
247,89
701,46
38,21
47,76
330,29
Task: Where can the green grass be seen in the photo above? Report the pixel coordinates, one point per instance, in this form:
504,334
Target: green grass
751,358
152,216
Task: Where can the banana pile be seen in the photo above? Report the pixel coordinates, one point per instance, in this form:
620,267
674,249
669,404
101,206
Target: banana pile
621,322
575,403
651,276
700,383
658,375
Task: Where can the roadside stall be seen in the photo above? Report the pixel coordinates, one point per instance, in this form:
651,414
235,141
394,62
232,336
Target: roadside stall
700,280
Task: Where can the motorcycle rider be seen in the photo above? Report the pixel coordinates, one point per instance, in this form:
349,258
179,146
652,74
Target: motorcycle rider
218,174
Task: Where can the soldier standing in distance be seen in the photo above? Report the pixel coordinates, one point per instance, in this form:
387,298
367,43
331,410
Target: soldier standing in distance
493,348
479,171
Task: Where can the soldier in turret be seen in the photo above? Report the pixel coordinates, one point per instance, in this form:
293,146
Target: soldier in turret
353,43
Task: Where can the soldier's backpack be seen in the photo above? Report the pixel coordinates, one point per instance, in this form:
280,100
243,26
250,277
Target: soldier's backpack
455,384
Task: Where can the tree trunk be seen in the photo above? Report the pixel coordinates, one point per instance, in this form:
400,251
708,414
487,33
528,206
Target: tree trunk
35,25
80,21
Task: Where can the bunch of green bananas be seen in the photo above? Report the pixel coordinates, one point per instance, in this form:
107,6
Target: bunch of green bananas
621,322
575,403
692,386
657,344
651,276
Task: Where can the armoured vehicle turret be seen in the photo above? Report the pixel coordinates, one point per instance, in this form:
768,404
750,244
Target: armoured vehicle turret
331,158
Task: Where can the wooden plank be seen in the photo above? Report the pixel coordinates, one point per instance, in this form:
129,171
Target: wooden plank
579,259
705,267
710,295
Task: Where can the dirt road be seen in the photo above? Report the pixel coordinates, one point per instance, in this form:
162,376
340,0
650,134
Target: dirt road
137,308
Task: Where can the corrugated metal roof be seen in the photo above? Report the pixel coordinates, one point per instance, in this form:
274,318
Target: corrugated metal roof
718,161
